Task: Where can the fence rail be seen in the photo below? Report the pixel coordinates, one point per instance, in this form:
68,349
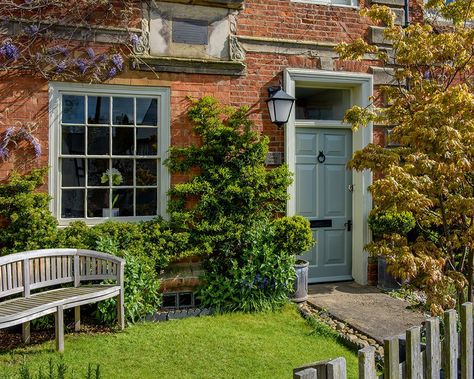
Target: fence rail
423,352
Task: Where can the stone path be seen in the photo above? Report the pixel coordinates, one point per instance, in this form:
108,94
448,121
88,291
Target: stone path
364,308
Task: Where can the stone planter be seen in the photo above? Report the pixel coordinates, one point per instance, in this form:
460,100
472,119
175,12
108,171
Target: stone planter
385,280
300,285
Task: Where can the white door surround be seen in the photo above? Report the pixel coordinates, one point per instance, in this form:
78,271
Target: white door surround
361,86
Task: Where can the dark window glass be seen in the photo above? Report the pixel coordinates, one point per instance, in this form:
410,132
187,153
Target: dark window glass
98,110
124,170
98,203
98,140
73,172
147,111
73,139
123,200
194,32
122,113
97,172
146,172
185,299
146,201
147,141
122,141
321,103
73,109
169,300
72,203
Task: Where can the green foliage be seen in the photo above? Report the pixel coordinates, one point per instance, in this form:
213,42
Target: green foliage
293,235
53,370
141,283
29,224
383,222
232,187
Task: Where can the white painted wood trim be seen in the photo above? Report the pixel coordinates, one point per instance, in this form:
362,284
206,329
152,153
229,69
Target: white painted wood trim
362,88
55,90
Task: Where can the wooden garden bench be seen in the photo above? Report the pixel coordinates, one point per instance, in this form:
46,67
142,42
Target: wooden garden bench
23,273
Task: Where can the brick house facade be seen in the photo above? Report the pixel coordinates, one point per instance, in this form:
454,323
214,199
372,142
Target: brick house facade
247,48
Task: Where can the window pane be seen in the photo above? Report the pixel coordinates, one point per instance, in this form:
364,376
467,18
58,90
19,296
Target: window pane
321,103
73,109
72,203
122,141
97,140
123,200
97,172
73,172
98,110
147,141
146,201
125,171
147,111
73,139
146,172
98,202
122,113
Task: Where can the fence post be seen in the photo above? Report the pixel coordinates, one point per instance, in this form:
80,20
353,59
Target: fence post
392,360
450,347
433,349
413,365
336,369
367,368
466,341
309,373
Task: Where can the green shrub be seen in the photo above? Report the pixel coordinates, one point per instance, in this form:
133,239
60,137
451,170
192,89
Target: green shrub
57,370
293,235
385,222
141,286
260,278
29,224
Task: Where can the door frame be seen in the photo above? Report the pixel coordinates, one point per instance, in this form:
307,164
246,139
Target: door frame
361,86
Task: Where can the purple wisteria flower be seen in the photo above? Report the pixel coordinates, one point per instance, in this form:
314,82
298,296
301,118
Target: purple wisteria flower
102,57
8,134
8,50
134,40
82,65
59,50
90,52
32,29
61,66
4,152
112,72
117,60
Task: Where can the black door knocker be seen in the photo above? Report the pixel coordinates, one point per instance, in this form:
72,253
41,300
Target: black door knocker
321,157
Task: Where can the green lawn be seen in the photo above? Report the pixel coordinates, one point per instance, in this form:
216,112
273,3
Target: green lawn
265,345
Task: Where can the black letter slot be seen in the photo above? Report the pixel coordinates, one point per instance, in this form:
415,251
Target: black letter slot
320,223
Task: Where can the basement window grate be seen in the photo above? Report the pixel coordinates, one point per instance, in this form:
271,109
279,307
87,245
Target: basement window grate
179,300
192,32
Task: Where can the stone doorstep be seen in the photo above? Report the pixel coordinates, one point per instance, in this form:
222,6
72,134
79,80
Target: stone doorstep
354,338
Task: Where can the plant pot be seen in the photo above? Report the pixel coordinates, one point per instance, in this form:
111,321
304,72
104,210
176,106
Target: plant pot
385,280
300,284
107,212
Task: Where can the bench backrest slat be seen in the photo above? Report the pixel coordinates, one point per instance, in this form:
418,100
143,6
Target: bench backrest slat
23,272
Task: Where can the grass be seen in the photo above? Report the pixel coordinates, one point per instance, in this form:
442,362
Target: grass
264,345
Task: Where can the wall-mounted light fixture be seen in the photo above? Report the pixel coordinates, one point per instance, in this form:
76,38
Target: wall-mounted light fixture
280,105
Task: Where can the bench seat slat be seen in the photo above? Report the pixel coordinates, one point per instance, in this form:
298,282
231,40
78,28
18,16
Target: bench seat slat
19,308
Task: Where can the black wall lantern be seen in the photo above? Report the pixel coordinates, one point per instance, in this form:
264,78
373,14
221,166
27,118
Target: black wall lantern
280,105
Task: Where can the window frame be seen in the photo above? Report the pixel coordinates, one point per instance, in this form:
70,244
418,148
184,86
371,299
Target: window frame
354,4
56,89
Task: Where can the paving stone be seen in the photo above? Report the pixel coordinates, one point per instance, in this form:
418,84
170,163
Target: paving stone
364,308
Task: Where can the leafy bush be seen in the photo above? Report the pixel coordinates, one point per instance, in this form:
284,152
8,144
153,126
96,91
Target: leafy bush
260,278
293,234
141,283
28,223
391,222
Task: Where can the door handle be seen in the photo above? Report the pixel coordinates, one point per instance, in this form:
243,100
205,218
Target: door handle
348,225
321,157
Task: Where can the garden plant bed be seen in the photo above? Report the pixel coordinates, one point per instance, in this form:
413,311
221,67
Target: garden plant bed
258,345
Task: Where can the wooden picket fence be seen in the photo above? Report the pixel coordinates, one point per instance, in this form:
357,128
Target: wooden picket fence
448,356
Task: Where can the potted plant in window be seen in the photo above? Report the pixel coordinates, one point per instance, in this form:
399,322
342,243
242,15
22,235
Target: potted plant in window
115,177
294,235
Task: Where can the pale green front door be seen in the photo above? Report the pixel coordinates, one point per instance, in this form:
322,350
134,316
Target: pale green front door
324,196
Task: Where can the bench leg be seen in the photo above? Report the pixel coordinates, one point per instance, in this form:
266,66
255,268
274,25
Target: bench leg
25,332
77,318
59,326
120,311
